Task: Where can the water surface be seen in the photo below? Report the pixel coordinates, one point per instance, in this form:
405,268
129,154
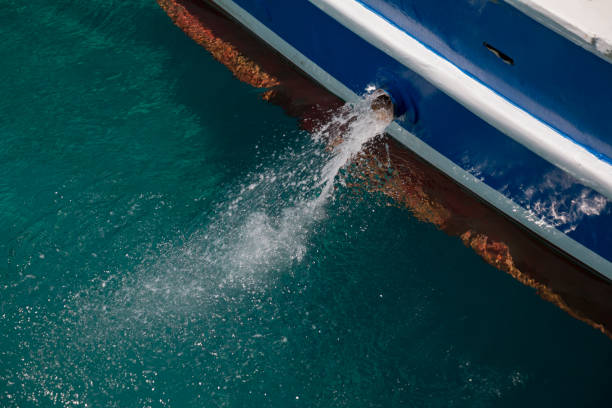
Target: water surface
142,270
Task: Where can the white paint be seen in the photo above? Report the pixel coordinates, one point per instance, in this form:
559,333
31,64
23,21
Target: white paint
493,108
587,23
465,179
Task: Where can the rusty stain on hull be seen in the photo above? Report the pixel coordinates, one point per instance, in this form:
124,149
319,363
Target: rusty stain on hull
432,197
498,255
249,61
242,67
389,168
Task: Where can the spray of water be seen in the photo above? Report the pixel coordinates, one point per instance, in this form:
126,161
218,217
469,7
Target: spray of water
272,237
264,224
362,124
261,228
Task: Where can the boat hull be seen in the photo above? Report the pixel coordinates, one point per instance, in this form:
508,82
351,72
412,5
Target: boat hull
433,194
551,202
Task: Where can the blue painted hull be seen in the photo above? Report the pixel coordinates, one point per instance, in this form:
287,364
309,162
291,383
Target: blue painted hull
547,78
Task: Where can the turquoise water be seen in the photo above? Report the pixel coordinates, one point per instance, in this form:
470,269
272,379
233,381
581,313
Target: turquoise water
154,256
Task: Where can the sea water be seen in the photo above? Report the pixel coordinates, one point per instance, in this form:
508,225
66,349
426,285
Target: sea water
171,240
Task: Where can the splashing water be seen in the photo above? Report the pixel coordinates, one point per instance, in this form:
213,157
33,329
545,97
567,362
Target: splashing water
114,295
363,125
262,227
269,235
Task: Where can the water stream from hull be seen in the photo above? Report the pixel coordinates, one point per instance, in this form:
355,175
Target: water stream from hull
232,253
269,220
170,240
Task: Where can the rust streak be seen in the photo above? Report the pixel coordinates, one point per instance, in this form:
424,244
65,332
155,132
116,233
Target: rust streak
498,255
242,67
405,184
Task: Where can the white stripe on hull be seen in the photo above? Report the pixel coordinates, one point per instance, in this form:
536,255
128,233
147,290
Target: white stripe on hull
490,106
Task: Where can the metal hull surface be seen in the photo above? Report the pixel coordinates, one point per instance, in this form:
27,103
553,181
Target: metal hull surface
430,176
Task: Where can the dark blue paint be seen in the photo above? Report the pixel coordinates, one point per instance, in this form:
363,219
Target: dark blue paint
442,123
581,140
557,81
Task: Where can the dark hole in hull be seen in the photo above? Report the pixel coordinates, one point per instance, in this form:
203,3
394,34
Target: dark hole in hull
499,54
